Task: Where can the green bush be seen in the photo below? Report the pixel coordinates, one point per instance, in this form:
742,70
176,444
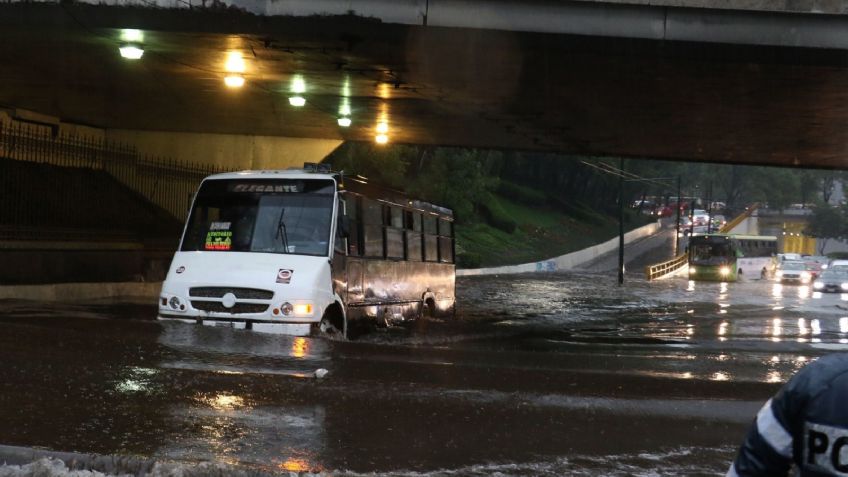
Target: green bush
838,255
495,215
521,194
468,260
579,211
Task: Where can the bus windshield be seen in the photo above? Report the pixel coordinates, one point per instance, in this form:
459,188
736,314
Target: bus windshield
710,253
267,216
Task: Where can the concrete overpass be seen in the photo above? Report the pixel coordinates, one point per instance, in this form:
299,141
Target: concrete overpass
744,81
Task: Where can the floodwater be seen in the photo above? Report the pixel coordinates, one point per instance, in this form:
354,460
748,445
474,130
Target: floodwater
537,375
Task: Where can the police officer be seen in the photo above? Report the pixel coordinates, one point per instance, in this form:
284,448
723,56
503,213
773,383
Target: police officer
805,424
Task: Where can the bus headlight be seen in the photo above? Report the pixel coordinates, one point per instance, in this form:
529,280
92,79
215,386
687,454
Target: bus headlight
844,286
299,309
176,304
724,271
303,309
692,270
819,285
805,276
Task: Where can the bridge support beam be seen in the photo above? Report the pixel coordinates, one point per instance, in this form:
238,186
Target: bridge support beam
231,151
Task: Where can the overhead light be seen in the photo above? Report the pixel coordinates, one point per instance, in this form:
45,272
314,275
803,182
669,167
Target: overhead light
381,139
297,101
131,52
234,81
344,122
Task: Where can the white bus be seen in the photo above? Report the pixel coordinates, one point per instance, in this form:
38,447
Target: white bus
302,251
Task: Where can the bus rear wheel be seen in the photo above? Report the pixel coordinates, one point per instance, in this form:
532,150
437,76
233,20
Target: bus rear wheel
428,309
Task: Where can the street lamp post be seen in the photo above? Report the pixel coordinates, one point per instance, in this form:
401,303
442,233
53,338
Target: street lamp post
677,223
621,223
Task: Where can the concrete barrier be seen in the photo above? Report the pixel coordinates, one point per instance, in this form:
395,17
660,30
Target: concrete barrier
567,261
70,292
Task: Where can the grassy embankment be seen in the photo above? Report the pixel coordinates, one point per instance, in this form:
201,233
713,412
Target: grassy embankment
542,231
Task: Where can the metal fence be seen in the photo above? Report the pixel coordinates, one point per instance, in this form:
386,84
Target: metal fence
164,182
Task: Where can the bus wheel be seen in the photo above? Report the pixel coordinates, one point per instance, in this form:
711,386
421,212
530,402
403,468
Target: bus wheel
428,309
332,324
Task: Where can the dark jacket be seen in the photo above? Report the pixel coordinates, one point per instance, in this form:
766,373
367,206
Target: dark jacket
805,423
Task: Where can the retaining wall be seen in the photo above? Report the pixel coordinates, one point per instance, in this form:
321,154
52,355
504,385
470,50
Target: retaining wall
567,261
70,292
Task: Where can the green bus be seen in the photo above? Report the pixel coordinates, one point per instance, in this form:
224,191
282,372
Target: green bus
725,258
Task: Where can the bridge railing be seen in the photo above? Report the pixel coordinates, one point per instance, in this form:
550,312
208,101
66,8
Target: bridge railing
739,218
165,182
664,269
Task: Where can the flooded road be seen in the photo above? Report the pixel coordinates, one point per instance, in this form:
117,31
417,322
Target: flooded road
537,375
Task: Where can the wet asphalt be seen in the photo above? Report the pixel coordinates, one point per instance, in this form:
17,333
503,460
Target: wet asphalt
537,375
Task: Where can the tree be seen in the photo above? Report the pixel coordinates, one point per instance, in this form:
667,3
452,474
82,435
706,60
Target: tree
826,223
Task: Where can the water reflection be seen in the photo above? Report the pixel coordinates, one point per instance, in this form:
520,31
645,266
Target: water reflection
300,347
802,326
777,290
776,329
722,290
295,465
223,402
136,379
232,351
229,428
720,376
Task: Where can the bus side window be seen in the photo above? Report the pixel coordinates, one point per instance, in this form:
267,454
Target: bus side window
394,233
431,239
372,228
413,236
351,208
445,241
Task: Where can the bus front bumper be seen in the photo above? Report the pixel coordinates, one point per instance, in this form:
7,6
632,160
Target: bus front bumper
265,326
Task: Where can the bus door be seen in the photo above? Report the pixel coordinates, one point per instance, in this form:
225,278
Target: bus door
350,248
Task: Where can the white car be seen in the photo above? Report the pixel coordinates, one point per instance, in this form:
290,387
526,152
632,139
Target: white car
838,265
792,271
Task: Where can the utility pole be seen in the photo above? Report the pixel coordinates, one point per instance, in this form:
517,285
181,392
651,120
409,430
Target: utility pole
692,218
677,226
710,209
621,222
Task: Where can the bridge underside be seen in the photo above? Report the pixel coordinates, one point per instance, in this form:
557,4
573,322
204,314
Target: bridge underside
432,85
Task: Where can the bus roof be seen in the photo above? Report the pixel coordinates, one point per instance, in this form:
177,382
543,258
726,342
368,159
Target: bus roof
355,185
739,236
754,237
272,174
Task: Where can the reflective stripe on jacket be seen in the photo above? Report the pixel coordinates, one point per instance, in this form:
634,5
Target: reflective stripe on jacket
805,423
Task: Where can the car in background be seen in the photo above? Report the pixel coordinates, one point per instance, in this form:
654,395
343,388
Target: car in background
785,257
793,271
644,204
832,281
700,217
815,268
838,265
665,211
